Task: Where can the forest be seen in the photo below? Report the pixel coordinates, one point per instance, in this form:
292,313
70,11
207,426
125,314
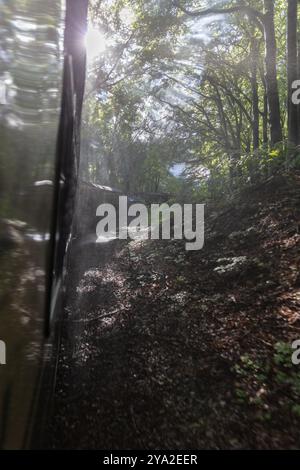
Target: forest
192,98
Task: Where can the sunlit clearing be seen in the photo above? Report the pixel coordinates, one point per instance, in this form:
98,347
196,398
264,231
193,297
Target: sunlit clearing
95,42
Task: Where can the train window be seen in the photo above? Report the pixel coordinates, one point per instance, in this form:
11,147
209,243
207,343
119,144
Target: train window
149,224
32,168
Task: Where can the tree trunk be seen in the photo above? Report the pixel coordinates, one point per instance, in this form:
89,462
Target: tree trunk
298,77
271,73
292,71
265,120
255,98
265,123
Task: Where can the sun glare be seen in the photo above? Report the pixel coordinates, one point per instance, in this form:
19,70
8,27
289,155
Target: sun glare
95,43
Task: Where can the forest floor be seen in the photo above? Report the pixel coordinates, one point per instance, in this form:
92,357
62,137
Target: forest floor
164,348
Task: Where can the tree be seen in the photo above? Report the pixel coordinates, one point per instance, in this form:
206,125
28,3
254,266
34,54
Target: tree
271,72
209,90
266,21
292,71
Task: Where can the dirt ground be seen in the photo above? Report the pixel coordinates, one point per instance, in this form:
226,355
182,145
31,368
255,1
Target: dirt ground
164,348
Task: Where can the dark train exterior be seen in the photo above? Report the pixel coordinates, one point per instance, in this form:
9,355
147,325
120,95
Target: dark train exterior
42,65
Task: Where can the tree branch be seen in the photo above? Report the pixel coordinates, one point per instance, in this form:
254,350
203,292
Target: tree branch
221,11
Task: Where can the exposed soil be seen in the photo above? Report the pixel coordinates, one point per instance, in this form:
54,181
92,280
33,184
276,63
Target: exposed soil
164,348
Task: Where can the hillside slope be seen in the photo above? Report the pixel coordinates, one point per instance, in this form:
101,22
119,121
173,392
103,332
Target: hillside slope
164,348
